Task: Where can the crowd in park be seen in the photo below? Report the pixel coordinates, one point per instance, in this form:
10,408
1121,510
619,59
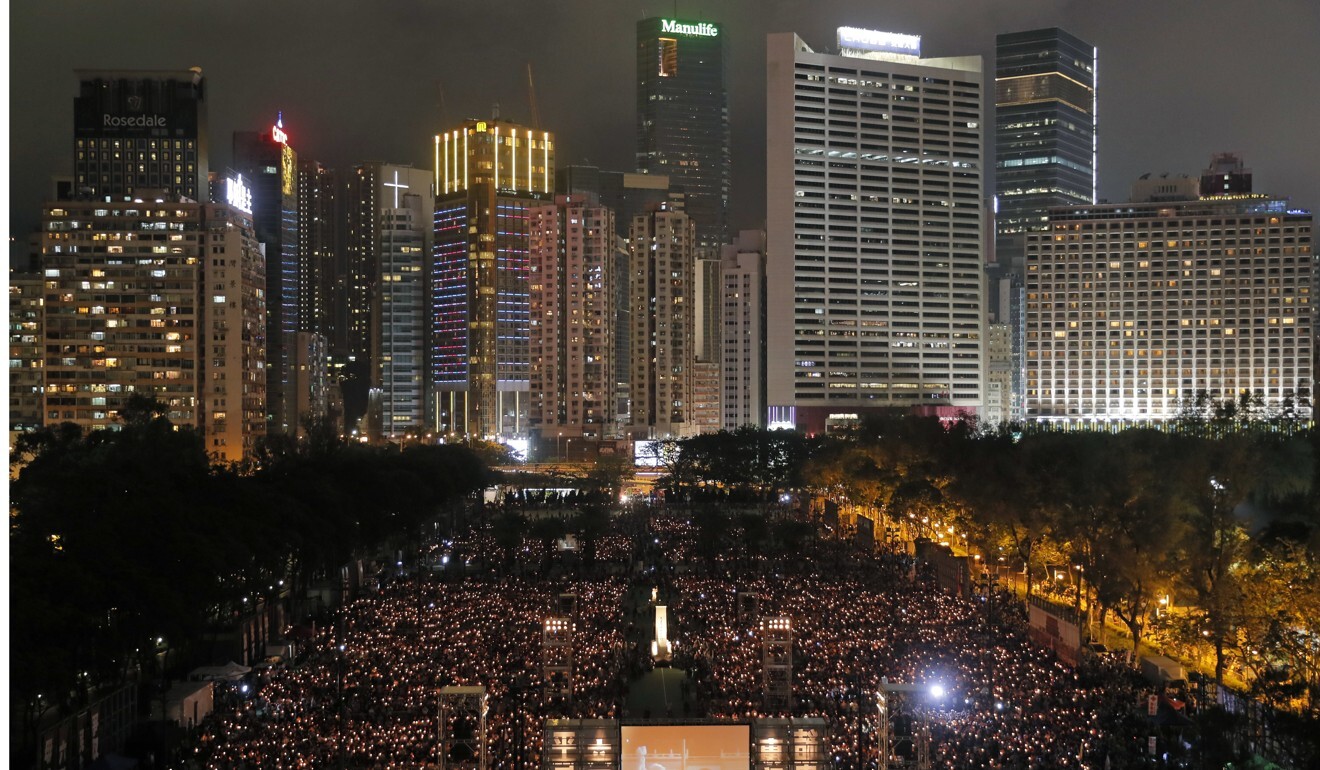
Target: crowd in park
1150,518
367,696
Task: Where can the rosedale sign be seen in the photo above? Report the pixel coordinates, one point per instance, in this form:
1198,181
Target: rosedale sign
698,29
132,121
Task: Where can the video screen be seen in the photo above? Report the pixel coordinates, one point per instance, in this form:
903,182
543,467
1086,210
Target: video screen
686,747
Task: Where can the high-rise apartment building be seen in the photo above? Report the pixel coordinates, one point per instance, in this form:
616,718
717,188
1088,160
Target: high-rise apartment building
1135,308
26,352
388,212
875,229
270,168
140,134
663,258
707,323
572,249
683,118
627,195
488,174
743,338
162,298
1045,156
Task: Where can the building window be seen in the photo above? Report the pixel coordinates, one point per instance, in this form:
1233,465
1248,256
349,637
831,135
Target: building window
668,57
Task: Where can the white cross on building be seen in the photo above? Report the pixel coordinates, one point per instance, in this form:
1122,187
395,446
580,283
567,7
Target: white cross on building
396,187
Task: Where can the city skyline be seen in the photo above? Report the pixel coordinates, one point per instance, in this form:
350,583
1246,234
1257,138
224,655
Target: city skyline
1163,79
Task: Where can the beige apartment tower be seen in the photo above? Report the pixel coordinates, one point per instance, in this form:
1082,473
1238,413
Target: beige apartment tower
572,247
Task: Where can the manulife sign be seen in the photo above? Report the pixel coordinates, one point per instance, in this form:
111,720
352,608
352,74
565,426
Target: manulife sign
694,28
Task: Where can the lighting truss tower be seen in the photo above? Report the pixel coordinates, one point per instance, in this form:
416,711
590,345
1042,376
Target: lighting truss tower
900,703
557,659
749,607
463,727
777,663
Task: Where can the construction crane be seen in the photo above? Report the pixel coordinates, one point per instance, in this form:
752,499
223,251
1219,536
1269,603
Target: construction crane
531,98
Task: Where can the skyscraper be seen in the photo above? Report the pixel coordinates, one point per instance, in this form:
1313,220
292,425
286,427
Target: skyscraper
270,168
663,257
1045,150
389,209
875,229
1135,308
487,175
141,134
572,320
627,195
163,299
683,118
743,337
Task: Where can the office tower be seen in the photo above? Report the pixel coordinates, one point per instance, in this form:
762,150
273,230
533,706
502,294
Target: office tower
999,376
743,337
160,298
319,250
26,351
322,292
1045,148
572,252
1226,176
627,195
140,134
1135,308
683,118
487,175
270,168
875,229
388,211
662,245
707,373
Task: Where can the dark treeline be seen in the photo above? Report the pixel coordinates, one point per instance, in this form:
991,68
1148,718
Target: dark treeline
120,538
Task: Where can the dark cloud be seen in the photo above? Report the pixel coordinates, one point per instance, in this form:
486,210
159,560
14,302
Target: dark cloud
363,79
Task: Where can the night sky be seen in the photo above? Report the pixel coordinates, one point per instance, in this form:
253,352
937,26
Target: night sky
363,79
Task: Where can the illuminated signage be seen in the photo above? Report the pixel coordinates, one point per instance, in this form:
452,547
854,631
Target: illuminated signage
696,29
481,127
872,40
238,195
132,121
277,130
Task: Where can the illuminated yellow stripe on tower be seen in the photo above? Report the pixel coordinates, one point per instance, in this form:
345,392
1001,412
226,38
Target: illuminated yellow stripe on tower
465,159
529,160
497,157
437,165
545,170
513,156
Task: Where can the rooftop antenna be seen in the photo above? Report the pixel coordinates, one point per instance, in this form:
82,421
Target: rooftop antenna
495,111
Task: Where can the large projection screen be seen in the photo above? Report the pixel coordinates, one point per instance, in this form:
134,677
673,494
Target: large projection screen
686,747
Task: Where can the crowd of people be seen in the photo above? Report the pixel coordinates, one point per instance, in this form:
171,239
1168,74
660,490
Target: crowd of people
367,694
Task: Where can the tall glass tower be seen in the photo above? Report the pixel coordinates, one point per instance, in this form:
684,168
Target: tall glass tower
1045,149
683,118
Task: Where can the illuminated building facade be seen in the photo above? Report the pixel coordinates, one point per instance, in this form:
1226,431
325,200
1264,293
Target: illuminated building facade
661,281
1133,308
1045,156
707,318
164,299
26,351
875,230
270,166
140,134
743,338
572,250
389,209
488,174
683,118
627,195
